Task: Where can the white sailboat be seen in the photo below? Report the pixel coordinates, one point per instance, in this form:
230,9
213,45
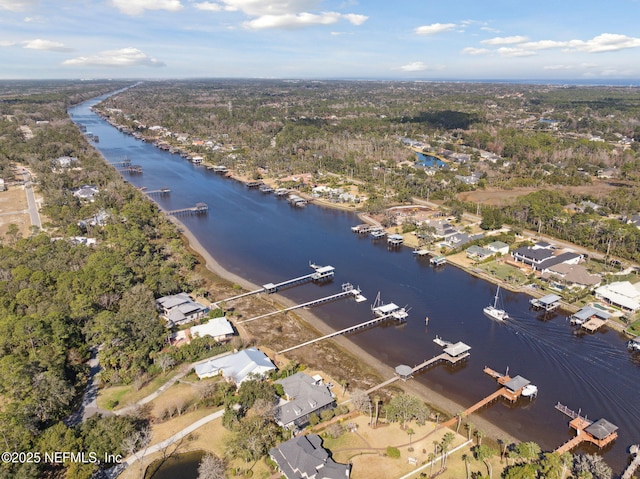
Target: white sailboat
493,312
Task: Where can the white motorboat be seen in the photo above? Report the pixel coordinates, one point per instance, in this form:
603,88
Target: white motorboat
493,312
530,390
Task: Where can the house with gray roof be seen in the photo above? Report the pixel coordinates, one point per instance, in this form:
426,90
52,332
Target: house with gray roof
303,457
479,253
238,367
179,309
304,396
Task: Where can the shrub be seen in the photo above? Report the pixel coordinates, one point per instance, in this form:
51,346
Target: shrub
393,452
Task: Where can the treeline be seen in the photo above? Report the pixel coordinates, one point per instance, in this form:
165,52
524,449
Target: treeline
58,298
549,212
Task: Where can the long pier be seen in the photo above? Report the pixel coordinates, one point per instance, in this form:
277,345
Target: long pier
347,290
160,192
198,209
348,330
452,354
321,273
131,169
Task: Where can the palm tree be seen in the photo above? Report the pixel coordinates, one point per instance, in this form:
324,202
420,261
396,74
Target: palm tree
432,459
410,432
459,416
376,399
467,460
447,439
469,428
478,435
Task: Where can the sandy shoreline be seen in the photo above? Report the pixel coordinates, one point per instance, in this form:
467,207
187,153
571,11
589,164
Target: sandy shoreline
430,396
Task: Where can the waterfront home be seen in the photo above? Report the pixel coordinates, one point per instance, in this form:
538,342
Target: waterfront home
238,367
217,328
86,192
499,247
573,276
479,253
179,309
622,294
303,457
304,395
65,161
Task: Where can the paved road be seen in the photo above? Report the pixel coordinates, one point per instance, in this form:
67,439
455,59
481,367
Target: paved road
31,200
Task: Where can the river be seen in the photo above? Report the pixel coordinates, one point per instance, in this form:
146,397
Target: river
263,239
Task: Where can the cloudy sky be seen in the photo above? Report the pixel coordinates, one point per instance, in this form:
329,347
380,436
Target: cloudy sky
402,39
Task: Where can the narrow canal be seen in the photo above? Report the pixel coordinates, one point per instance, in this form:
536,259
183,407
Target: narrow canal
263,239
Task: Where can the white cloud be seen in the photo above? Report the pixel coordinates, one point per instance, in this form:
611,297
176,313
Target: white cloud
542,45
17,5
125,57
414,67
515,52
355,19
48,45
6,43
606,42
435,28
137,7
301,20
476,51
505,40
209,6
259,8
558,67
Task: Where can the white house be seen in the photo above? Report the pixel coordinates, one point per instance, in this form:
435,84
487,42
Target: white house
621,293
237,368
218,328
499,247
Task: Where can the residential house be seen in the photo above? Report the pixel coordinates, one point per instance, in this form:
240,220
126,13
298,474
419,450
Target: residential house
634,220
479,253
622,294
571,276
499,247
303,457
86,192
531,256
220,329
238,367
65,161
304,395
180,309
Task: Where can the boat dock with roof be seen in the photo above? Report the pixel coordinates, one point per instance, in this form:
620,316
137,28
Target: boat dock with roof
320,274
198,209
589,318
382,313
347,290
601,433
546,303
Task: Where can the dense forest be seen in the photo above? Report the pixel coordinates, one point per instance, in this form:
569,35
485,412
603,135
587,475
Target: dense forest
546,137
58,298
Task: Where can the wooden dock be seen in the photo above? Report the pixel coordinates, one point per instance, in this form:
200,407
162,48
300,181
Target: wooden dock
350,329
131,169
198,209
320,274
601,433
593,324
347,290
160,192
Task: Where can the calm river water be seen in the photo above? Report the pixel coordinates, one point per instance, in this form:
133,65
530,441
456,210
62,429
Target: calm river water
265,240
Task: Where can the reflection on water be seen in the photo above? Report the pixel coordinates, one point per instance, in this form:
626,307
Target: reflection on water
178,466
263,239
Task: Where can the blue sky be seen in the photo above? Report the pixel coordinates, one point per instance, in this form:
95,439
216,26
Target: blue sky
401,39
